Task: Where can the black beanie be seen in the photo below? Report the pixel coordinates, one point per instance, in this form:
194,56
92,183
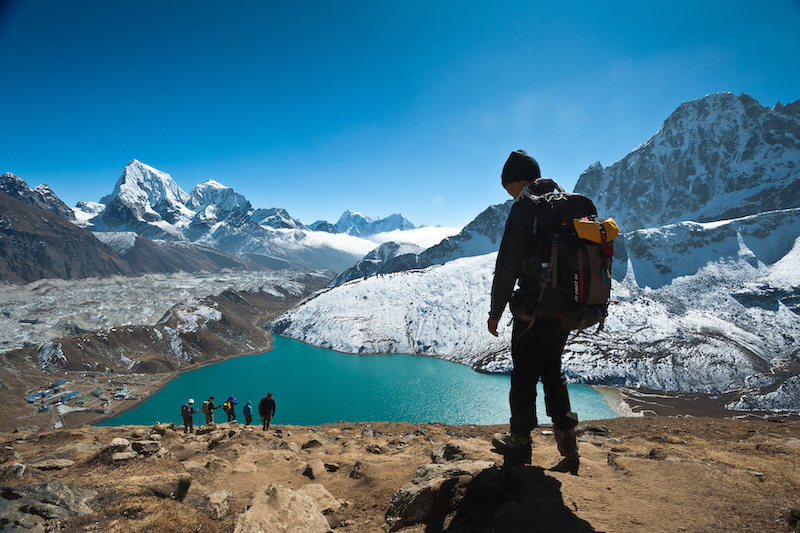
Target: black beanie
520,167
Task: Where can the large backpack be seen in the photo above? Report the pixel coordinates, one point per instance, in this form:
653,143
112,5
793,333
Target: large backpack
206,408
186,411
572,262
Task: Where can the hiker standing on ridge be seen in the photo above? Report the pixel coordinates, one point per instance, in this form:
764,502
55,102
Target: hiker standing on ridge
187,413
535,347
248,413
229,407
266,409
208,410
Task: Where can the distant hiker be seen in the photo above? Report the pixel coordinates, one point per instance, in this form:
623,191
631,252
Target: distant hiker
187,413
248,413
536,346
208,408
266,410
228,407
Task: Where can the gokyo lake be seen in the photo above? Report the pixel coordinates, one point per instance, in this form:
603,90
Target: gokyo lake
313,386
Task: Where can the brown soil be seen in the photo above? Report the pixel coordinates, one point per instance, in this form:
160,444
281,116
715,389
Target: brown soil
639,474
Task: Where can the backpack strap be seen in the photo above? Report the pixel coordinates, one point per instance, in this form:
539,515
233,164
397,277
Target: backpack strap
608,251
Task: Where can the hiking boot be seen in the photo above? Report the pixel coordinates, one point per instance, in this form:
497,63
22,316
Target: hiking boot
516,447
567,443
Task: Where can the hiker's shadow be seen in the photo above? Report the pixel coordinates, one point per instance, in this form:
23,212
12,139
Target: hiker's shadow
512,500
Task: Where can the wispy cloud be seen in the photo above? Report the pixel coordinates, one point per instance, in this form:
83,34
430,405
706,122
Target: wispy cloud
425,236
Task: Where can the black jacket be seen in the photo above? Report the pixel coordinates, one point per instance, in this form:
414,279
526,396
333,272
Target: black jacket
519,257
266,407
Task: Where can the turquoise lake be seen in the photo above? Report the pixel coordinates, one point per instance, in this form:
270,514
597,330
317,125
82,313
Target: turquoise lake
314,386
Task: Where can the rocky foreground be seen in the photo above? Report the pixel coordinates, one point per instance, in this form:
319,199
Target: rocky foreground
642,474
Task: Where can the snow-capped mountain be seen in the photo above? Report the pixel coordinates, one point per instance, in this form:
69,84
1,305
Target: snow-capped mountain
359,225
718,157
481,236
211,202
150,203
276,218
710,307
147,201
40,196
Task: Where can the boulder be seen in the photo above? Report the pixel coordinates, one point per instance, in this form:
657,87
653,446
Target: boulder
119,445
276,509
219,503
279,444
314,469
431,493
123,456
325,501
12,471
313,443
146,447
26,508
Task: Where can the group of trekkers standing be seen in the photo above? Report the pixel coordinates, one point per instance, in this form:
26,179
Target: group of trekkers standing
266,410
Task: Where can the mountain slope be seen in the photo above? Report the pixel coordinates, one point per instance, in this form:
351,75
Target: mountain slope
40,196
715,158
37,244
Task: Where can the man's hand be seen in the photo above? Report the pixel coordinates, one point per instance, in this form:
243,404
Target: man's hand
492,325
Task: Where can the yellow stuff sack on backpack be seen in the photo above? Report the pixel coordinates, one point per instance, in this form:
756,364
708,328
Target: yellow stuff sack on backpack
589,229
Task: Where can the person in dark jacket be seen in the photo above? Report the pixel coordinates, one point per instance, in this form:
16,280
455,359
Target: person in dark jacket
187,413
266,410
535,348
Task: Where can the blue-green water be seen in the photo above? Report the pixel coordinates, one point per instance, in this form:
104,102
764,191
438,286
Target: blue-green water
314,386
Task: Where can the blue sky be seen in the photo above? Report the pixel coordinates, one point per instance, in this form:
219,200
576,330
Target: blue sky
379,107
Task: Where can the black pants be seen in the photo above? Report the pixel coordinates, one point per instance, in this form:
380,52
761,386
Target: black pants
536,353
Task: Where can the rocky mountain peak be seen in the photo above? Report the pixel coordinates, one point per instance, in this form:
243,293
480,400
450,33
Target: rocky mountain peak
359,225
214,201
276,217
142,195
40,196
718,157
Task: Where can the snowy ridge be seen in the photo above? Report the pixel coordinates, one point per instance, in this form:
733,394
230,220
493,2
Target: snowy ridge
660,255
439,311
119,241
